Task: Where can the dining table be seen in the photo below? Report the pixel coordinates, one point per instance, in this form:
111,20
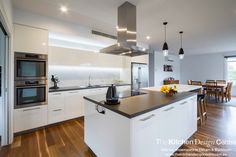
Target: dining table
218,86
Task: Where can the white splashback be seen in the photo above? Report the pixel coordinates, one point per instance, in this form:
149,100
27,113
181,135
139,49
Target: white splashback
77,75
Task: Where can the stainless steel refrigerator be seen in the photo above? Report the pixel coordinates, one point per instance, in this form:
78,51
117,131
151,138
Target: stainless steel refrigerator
139,75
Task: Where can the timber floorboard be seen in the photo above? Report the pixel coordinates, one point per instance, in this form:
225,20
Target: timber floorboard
66,139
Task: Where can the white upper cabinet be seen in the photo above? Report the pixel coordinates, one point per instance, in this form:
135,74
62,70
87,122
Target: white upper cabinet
30,40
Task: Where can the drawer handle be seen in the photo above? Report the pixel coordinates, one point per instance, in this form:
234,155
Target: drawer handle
147,118
56,94
31,109
168,109
101,112
185,102
73,92
57,110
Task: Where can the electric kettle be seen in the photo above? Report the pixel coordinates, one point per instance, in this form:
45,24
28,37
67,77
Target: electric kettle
111,96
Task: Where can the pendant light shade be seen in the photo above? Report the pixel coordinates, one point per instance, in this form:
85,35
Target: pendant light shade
165,45
181,50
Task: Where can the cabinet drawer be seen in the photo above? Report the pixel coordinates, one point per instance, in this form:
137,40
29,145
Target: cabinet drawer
55,115
56,100
29,118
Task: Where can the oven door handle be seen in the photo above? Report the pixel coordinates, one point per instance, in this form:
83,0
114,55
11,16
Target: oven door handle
31,86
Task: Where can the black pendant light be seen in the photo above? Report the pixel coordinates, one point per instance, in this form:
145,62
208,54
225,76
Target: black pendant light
165,46
181,50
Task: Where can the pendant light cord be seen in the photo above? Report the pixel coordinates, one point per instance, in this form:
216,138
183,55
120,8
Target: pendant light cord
165,33
181,40
181,33
165,23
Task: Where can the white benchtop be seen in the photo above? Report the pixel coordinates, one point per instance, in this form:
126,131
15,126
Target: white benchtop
180,87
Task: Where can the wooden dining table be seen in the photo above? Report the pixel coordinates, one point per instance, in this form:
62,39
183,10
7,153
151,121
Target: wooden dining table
219,86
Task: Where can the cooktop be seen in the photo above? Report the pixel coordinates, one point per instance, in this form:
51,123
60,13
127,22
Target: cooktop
129,93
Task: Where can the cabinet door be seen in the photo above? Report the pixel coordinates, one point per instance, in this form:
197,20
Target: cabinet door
29,118
29,39
56,108
167,130
145,128
192,115
73,104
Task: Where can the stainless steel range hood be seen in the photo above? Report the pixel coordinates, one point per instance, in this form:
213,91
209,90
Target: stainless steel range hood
126,34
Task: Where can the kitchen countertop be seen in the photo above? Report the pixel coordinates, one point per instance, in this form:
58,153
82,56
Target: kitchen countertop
133,106
61,89
180,87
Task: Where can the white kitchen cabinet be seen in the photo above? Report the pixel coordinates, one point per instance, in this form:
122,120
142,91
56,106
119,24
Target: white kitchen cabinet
30,118
56,107
68,104
73,104
30,39
156,133
101,135
145,129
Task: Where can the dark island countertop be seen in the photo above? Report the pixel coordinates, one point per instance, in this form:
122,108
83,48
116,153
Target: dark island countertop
136,105
61,89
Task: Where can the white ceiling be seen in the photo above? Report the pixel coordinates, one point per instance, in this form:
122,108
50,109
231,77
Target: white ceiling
209,25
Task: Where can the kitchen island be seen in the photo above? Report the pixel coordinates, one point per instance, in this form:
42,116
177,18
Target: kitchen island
180,87
147,125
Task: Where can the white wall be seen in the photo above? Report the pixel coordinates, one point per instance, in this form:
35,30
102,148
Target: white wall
160,75
204,67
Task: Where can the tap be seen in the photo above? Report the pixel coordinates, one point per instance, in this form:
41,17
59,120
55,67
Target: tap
89,81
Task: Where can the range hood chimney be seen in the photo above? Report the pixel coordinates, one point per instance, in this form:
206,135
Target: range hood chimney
126,34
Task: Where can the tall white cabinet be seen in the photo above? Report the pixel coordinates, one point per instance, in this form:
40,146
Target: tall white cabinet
30,40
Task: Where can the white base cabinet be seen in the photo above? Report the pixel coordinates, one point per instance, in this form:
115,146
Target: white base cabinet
56,107
29,118
158,133
61,106
73,104
68,104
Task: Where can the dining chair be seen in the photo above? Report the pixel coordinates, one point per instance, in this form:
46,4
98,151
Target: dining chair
210,81
189,82
230,90
227,92
212,90
221,81
201,108
197,83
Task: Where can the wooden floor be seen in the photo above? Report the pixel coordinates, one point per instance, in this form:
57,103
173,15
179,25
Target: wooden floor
66,139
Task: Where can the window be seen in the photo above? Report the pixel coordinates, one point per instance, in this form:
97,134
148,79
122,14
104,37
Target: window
231,69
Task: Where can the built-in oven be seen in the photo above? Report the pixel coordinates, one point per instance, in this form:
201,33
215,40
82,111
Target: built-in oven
30,66
30,93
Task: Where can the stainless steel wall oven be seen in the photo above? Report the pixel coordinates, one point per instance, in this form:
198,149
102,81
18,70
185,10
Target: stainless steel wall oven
30,66
30,93
30,80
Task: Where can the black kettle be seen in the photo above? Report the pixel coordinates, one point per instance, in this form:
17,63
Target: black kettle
111,96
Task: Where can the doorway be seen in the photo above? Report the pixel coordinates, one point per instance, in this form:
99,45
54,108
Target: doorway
3,78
